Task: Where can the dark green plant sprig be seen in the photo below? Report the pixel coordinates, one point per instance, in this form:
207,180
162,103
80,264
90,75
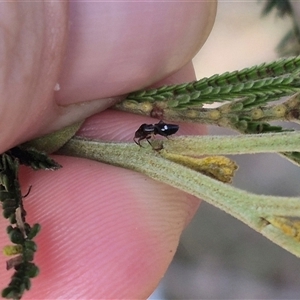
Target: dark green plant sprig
290,43
24,268
283,7
10,192
19,232
33,158
257,85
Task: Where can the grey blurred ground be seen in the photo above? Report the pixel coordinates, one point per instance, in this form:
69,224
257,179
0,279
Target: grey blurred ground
219,257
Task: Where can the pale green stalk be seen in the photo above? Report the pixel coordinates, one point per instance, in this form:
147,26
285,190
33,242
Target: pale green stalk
241,144
249,208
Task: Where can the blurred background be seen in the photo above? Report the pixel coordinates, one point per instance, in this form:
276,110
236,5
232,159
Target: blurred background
219,257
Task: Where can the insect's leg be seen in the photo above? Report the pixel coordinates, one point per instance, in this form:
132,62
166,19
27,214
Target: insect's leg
148,140
28,192
137,142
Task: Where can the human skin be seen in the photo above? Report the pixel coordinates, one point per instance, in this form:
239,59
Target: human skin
107,232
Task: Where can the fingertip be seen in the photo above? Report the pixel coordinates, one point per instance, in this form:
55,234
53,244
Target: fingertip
106,232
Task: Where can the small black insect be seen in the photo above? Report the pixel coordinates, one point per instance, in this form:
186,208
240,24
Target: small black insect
147,131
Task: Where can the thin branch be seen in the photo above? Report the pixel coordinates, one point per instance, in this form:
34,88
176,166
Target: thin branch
249,208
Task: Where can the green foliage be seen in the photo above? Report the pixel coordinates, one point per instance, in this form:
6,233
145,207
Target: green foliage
290,43
33,158
283,7
258,84
20,232
246,93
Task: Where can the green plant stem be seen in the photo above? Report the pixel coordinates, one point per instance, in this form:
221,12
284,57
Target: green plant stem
249,208
149,162
227,115
245,115
241,144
